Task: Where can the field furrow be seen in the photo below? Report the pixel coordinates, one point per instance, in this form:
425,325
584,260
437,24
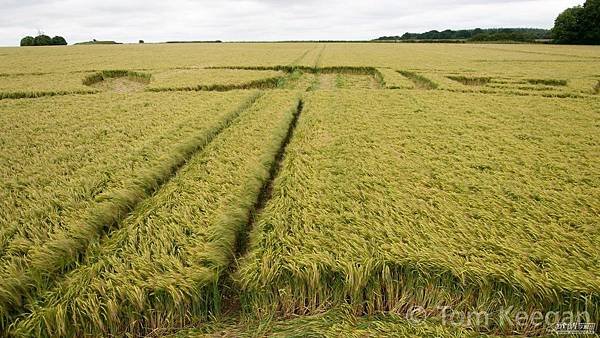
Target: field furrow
47,232
212,79
326,189
161,269
389,201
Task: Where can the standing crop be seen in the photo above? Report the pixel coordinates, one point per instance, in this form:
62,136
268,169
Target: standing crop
383,204
162,268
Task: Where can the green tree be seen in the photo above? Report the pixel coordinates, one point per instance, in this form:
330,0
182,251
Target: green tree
579,24
567,27
42,40
59,41
591,22
27,41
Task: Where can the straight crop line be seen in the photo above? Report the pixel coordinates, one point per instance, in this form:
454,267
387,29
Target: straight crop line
43,265
266,192
320,57
518,93
471,80
508,92
24,74
537,53
420,81
38,94
351,70
111,74
300,58
230,291
547,82
164,297
269,83
306,69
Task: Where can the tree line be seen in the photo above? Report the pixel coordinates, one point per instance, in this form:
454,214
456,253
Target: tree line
576,25
478,34
579,24
43,40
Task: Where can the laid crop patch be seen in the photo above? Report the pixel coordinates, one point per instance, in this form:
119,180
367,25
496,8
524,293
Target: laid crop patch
105,75
41,84
547,82
307,200
119,81
180,79
345,81
171,251
420,81
71,180
394,80
471,80
405,181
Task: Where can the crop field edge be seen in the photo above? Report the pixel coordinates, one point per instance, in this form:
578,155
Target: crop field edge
40,94
419,81
268,83
98,77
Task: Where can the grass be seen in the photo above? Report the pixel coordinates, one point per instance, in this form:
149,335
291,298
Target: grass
193,78
22,74
173,248
597,88
34,85
341,81
32,95
372,177
393,80
471,81
325,206
49,236
268,83
357,82
98,77
419,81
349,70
547,82
291,74
521,92
333,323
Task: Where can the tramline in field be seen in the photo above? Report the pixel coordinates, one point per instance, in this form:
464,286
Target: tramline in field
298,188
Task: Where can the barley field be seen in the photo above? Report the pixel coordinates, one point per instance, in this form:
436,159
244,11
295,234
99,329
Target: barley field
299,189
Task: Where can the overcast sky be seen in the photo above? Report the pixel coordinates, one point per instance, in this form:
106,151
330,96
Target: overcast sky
162,20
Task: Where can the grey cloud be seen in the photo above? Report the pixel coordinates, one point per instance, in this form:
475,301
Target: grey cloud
154,20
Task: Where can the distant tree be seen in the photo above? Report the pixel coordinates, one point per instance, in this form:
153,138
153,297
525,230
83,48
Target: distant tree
141,41
59,41
591,22
27,41
579,24
478,34
42,40
567,27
